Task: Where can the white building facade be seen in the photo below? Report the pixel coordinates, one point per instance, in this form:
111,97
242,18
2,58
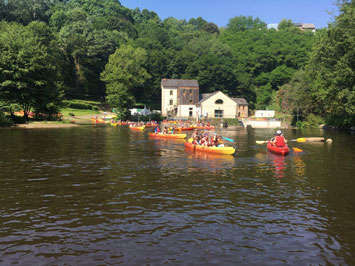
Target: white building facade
181,99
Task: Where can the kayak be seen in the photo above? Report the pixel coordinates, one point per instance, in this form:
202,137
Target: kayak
205,127
137,128
184,128
169,136
152,125
278,150
216,150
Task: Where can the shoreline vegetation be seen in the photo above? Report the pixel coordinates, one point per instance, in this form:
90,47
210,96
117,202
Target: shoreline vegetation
104,56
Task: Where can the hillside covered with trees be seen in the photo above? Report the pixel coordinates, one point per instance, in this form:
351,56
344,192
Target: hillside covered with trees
53,50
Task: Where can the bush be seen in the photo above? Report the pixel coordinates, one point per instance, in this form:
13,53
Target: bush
154,117
5,121
311,121
78,104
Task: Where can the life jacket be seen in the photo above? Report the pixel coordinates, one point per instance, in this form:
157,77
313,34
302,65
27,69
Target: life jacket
280,141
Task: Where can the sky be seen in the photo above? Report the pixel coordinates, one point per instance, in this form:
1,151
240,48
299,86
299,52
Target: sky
220,11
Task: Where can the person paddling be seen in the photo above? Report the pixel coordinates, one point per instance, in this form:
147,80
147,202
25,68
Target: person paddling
278,140
195,137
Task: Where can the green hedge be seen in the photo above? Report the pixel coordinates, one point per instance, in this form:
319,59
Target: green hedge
79,104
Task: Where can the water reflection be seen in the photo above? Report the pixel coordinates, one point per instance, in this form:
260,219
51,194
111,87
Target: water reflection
279,164
299,165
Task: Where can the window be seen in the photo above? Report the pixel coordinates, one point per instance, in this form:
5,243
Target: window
190,91
171,102
184,92
171,92
190,101
218,113
219,101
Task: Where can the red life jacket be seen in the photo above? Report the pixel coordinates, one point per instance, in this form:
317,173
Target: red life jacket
280,141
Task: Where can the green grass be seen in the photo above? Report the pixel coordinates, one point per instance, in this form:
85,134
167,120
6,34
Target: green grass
77,112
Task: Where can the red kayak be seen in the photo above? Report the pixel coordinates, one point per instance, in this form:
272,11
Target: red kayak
278,150
205,127
184,128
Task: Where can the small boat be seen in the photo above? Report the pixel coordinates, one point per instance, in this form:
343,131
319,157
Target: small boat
137,128
216,150
278,150
152,125
184,128
169,136
205,127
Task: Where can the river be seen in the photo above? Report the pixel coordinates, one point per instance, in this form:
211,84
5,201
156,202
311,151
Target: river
101,195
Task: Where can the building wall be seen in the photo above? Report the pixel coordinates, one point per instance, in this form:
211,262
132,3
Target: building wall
229,107
243,111
168,96
184,111
188,95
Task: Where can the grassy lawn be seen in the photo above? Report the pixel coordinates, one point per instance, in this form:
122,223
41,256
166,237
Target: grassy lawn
77,112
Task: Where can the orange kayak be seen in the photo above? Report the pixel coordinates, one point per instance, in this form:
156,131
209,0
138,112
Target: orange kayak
137,128
278,150
216,150
205,127
169,136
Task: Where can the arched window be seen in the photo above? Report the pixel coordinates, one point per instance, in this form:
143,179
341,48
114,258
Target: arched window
219,101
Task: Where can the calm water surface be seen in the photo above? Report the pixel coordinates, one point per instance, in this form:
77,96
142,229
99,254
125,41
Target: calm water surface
108,196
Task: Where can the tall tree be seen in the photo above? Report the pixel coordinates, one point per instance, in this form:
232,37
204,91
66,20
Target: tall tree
332,67
29,73
123,74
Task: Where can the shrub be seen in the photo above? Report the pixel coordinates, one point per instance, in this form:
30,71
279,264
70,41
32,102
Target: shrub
5,121
311,121
78,104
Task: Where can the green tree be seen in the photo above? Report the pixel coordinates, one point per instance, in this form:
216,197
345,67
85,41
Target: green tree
332,68
29,73
123,74
25,11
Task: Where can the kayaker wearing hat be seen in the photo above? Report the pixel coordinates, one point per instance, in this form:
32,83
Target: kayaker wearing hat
278,140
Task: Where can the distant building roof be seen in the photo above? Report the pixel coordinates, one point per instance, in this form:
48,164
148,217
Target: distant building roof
305,26
240,101
179,83
205,96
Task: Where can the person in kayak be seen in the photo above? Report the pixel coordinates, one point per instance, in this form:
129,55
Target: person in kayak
216,141
278,140
195,137
165,130
157,130
205,140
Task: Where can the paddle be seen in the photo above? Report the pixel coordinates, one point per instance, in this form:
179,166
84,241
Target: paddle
311,139
231,140
297,150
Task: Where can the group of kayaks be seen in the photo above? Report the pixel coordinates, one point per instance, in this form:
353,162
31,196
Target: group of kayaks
195,147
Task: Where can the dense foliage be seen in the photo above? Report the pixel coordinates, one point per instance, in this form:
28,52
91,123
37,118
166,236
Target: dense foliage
99,49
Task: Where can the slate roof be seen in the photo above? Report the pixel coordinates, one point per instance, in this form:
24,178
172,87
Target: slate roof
179,83
240,101
205,96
